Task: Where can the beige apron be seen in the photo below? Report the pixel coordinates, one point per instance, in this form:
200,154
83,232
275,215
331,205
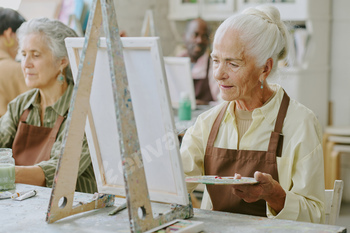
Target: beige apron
202,88
227,162
33,144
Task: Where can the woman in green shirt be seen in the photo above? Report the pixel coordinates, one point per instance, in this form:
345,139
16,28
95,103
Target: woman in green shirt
35,122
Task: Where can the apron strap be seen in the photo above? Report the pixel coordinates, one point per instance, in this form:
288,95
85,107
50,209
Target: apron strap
282,113
215,129
57,126
276,138
25,115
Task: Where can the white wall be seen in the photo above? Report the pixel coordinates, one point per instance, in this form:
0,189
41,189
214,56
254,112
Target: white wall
340,63
130,19
130,16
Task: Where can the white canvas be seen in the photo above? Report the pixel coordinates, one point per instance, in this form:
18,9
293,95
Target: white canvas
178,72
153,115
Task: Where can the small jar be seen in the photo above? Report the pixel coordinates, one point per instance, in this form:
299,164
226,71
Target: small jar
184,111
7,169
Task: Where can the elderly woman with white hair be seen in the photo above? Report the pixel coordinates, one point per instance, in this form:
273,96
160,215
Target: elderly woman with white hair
258,131
34,124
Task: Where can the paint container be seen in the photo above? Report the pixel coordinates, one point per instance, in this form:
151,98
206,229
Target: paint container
7,169
185,110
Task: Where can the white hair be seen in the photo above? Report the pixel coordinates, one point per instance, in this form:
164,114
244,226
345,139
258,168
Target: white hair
263,32
53,33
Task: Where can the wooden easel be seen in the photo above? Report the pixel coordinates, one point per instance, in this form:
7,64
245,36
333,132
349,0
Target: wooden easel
148,28
139,206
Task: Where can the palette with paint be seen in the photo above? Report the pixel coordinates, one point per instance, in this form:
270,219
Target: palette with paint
218,180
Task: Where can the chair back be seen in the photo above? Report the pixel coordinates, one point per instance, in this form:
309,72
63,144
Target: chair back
333,199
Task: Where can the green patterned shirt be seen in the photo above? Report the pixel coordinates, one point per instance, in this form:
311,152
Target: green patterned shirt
8,128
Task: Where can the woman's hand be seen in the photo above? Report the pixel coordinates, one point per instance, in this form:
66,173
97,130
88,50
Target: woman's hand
33,175
267,189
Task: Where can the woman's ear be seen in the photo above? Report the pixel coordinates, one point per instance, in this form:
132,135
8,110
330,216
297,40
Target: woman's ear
8,34
64,63
267,69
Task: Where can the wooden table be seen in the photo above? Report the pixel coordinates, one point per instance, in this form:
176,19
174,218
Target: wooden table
29,216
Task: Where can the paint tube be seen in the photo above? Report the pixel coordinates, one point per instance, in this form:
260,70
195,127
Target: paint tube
24,196
5,195
119,208
17,194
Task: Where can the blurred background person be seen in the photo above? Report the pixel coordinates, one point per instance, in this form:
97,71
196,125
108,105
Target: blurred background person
196,41
11,76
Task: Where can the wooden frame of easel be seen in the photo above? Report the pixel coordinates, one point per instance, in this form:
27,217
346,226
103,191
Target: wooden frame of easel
139,206
148,28
153,116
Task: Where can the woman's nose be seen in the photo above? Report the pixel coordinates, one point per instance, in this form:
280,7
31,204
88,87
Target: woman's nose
220,72
26,62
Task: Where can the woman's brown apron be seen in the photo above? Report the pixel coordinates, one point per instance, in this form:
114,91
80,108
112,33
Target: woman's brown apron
33,144
227,162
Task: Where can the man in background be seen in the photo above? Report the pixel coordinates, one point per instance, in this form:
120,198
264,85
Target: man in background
196,40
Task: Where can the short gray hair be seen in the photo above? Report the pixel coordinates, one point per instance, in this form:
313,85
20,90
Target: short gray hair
53,32
264,33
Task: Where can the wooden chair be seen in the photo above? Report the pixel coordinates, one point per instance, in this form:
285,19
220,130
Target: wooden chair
335,141
332,202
